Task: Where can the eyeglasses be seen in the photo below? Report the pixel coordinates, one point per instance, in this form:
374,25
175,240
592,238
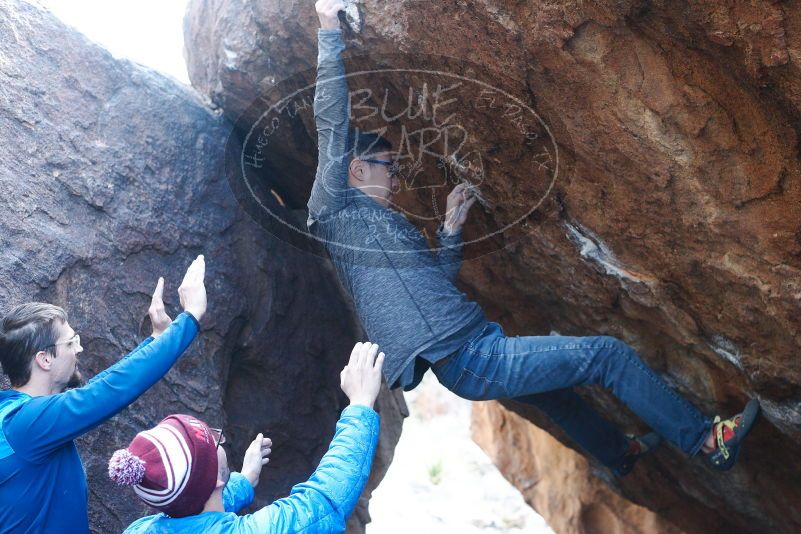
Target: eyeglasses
218,435
75,339
392,166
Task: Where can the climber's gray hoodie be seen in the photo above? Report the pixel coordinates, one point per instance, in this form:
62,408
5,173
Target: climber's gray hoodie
404,295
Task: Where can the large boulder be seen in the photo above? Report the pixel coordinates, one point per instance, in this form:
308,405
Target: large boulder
112,175
639,172
557,481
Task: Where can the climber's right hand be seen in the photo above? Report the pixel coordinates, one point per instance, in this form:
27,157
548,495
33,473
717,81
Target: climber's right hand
459,202
361,378
327,12
193,291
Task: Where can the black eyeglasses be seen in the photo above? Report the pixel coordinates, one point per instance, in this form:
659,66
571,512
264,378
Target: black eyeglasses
219,436
392,166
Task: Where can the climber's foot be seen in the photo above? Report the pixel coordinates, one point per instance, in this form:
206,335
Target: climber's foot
639,446
729,435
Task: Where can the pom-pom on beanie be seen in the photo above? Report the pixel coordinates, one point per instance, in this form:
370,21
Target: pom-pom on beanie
172,467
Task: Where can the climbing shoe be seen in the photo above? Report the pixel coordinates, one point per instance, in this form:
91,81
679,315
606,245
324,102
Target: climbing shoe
639,446
729,435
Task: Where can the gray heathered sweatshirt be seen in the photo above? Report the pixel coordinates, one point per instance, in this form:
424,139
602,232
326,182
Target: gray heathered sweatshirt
404,295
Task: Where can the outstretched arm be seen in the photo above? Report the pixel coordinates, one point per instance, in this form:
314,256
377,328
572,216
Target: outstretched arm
450,257
100,375
237,493
331,115
46,422
158,318
326,500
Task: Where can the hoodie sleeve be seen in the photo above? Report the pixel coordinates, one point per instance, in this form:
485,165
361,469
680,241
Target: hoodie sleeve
331,114
450,255
139,347
323,503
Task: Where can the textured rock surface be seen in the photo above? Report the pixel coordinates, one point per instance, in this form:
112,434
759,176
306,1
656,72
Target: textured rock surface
557,481
111,176
672,221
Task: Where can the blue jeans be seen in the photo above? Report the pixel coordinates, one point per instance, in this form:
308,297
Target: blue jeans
541,371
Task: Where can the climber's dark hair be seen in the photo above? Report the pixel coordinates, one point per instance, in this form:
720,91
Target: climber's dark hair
361,144
24,331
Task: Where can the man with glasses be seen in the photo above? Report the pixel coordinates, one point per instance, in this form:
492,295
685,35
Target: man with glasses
407,301
42,481
179,469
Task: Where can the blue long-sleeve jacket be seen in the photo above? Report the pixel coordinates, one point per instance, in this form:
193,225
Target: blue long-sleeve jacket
404,295
42,480
321,505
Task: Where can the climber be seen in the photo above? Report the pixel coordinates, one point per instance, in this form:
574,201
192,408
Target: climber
202,495
407,301
42,480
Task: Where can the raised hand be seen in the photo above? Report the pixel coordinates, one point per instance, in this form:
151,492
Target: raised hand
256,458
327,11
460,200
158,315
193,290
361,378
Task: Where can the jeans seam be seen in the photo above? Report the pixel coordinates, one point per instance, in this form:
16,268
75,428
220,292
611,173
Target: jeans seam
574,346
664,386
696,414
489,380
458,381
472,342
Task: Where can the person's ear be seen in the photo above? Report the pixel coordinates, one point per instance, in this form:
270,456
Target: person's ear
356,169
44,360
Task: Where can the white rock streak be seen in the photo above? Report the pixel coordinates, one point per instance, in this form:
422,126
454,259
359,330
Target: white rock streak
728,350
592,248
353,16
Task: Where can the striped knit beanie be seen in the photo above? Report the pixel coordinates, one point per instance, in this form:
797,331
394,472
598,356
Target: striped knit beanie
172,467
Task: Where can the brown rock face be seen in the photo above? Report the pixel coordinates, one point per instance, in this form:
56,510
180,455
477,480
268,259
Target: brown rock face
111,176
557,481
638,164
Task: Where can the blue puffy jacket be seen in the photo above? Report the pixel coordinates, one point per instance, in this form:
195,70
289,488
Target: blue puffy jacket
320,505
